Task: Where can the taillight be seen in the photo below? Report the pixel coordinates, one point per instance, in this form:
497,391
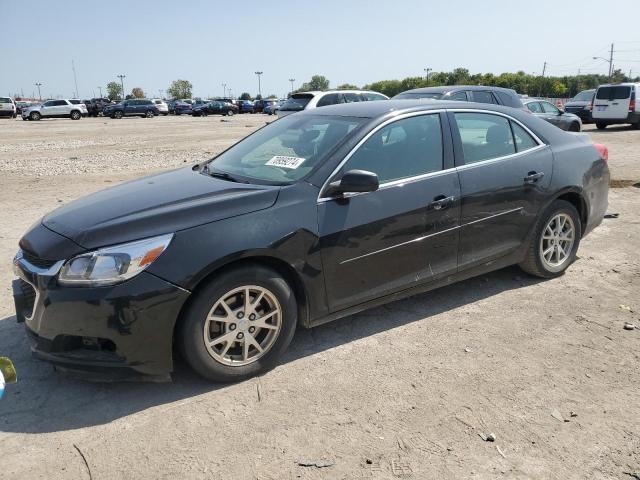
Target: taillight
602,150
632,102
591,106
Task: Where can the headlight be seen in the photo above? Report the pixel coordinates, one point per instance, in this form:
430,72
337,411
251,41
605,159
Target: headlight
112,265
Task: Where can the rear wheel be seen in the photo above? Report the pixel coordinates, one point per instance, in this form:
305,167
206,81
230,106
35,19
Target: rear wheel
574,127
117,114
555,241
35,116
601,126
230,113
149,114
239,324
75,115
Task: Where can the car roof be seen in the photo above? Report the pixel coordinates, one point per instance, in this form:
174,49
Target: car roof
449,88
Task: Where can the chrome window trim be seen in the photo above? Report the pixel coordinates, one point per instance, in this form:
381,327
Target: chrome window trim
403,181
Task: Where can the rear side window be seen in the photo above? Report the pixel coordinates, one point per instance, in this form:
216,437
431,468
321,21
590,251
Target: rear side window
483,97
613,93
459,96
59,103
330,99
484,136
405,148
352,97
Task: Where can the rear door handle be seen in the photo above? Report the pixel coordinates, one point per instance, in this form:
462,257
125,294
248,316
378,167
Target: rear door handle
441,202
533,177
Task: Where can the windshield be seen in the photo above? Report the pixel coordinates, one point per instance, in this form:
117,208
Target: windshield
5,100
585,96
286,150
296,102
418,95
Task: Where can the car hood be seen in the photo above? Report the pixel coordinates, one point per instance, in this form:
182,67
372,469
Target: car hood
156,205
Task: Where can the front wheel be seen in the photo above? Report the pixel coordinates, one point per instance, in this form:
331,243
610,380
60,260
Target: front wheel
117,114
574,127
239,324
601,126
555,241
229,113
149,114
35,116
75,115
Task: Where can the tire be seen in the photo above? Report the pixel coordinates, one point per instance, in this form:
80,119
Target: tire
601,126
164,114
534,262
35,116
75,115
24,118
230,113
195,327
574,127
117,114
149,114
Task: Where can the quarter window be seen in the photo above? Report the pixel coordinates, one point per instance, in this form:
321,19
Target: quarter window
405,148
484,136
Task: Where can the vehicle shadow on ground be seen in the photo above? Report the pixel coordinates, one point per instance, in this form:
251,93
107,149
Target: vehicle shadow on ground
44,400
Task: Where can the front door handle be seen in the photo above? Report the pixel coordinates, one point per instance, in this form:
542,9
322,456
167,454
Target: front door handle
533,177
441,202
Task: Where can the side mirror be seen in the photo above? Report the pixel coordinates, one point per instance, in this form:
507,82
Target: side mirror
354,181
7,373
560,111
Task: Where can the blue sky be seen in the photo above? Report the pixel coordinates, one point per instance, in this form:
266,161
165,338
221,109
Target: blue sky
212,42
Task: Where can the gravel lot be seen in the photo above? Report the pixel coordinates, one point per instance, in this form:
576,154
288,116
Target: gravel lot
405,390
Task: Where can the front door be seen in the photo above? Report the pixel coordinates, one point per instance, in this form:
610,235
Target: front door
504,174
403,234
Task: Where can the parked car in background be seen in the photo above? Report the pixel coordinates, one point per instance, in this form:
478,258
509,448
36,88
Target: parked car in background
182,108
308,100
215,108
161,105
270,106
55,109
465,93
245,106
77,101
95,106
617,104
136,107
554,115
314,217
258,105
20,104
7,107
580,105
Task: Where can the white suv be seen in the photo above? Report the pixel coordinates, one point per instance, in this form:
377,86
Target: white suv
617,103
306,100
55,109
7,107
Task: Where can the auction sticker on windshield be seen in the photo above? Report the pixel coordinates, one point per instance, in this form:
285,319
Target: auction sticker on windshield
284,161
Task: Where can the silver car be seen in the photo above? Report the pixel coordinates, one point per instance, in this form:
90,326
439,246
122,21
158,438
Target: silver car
55,109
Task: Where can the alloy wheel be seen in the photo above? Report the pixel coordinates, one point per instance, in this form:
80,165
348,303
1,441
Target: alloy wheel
556,243
243,325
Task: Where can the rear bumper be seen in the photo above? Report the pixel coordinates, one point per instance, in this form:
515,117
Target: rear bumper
126,328
7,113
633,117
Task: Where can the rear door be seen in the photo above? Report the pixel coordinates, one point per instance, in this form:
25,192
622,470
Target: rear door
504,173
403,234
612,102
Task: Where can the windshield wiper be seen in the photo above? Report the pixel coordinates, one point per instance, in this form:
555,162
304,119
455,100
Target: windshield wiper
218,174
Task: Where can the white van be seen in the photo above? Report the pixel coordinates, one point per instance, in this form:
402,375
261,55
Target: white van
306,100
617,103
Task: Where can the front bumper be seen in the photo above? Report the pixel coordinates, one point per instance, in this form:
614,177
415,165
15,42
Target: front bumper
7,113
126,327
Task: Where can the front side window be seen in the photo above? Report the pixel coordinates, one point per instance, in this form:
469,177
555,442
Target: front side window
50,103
330,99
286,150
406,148
484,136
534,107
480,96
550,108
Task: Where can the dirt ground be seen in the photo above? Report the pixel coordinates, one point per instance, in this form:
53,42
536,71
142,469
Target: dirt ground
402,391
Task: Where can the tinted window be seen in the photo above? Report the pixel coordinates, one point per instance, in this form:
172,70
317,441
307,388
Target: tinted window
402,149
483,97
524,141
75,102
59,103
460,96
484,136
352,97
330,99
5,100
613,93
534,107
50,103
296,102
369,96
286,150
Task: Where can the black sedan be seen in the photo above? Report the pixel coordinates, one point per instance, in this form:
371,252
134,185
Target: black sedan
214,108
314,217
552,114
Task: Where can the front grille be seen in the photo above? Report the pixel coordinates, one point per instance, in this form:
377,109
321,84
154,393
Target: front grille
29,298
36,261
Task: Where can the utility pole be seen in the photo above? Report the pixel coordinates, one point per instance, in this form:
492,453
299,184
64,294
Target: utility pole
292,80
544,69
224,90
259,88
428,70
100,88
122,77
611,63
39,94
75,80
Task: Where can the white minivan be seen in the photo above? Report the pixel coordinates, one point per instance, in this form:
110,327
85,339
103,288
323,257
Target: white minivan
615,104
306,100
